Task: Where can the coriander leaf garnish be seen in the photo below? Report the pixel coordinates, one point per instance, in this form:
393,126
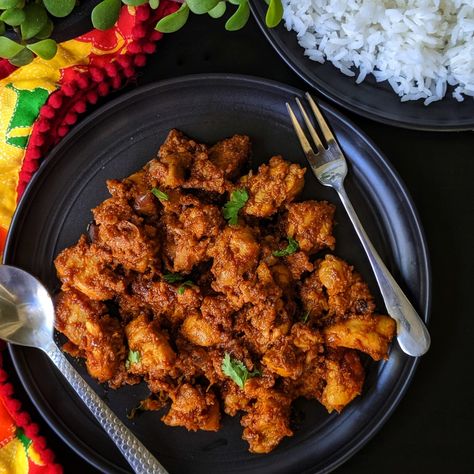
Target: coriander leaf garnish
183,286
133,358
292,247
237,371
305,317
162,196
172,277
237,201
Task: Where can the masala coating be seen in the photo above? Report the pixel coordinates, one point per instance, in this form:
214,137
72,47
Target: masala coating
215,316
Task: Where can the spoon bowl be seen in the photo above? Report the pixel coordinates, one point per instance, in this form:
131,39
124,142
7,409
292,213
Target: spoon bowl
27,318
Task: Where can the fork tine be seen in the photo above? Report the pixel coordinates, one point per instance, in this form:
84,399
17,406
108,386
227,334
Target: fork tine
311,129
321,121
299,131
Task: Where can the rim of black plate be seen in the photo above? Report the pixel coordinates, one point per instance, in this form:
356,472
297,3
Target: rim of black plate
367,432
258,10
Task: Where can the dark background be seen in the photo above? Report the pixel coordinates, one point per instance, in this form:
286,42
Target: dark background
431,430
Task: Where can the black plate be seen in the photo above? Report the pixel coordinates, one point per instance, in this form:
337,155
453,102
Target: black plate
376,101
121,137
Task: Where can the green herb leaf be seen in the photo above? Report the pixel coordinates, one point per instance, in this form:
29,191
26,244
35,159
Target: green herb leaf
175,21
24,57
172,277
36,19
218,10
59,8
237,371
13,16
239,18
201,6
183,286
274,13
9,48
292,247
45,49
6,4
133,358
160,194
154,4
236,2
45,31
105,14
305,317
238,198
134,3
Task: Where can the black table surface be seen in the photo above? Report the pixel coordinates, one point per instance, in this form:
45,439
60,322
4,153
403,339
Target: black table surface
431,430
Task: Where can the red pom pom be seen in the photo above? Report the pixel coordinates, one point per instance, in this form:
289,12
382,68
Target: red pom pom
92,97
62,130
111,69
143,13
83,81
124,60
96,74
116,82
3,375
69,89
80,106
47,112
139,31
42,125
140,60
40,443
56,100
34,153
36,140
156,35
129,72
13,405
103,89
70,118
149,48
134,47
24,419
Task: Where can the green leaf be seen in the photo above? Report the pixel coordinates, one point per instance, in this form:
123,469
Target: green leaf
36,19
2,27
134,3
292,247
9,48
24,57
45,49
160,194
236,2
239,18
154,4
172,277
218,10
173,22
13,16
201,6
274,13
236,370
238,198
45,31
133,358
305,317
59,8
183,286
6,4
105,14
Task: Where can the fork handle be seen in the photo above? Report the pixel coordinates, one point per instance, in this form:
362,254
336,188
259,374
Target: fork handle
412,334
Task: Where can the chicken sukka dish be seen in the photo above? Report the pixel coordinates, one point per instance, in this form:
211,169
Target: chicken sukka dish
220,291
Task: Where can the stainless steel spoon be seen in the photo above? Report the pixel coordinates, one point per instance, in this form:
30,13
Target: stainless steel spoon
27,319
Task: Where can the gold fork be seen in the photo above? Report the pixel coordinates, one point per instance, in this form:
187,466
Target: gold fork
330,168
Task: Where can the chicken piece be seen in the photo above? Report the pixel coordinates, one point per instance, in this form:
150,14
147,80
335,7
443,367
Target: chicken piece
231,154
284,359
89,269
153,356
310,223
297,264
344,378
314,298
207,176
273,186
235,257
346,290
131,306
194,409
97,336
178,142
267,421
198,331
165,300
188,236
217,312
234,398
371,334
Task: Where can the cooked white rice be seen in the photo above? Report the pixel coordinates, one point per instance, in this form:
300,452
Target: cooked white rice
418,46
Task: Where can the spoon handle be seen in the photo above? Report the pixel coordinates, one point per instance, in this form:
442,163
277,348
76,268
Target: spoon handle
139,458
